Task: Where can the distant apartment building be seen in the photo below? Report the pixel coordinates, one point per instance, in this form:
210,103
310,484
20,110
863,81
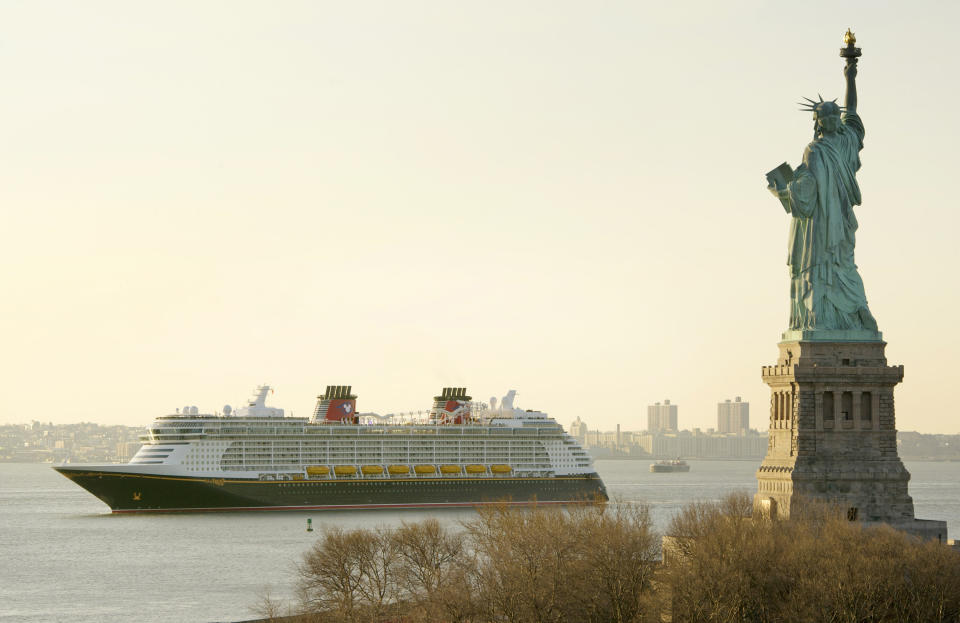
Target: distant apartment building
600,439
578,430
662,418
126,450
733,417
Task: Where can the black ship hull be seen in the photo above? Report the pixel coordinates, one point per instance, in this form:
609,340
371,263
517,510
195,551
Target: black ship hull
126,492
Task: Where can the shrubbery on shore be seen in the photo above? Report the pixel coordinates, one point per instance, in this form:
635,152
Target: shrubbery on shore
602,563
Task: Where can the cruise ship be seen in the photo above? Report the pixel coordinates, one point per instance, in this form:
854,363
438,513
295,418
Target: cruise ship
458,453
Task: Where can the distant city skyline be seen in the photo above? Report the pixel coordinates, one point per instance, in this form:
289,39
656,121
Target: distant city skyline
34,442
562,198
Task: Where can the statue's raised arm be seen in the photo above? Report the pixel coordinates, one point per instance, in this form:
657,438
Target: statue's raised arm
852,54
850,101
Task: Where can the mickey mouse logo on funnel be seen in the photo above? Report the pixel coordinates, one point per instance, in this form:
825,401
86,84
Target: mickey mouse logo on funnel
341,405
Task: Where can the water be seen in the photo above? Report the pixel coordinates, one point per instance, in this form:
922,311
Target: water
64,557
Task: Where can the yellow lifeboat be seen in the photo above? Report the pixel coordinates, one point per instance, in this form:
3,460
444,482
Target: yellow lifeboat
449,469
425,469
344,470
371,470
317,470
476,469
398,469
500,469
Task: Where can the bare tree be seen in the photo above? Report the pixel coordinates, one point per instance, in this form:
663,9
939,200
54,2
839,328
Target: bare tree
349,576
524,569
619,556
434,571
268,607
729,566
587,563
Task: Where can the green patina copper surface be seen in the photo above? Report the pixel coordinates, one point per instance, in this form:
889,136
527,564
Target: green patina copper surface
827,298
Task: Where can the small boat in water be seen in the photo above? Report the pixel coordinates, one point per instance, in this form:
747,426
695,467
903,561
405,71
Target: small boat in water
675,465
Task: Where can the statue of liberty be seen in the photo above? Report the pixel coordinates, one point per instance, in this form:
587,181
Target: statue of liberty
826,292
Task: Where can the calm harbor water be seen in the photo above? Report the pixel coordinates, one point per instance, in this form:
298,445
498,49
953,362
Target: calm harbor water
64,557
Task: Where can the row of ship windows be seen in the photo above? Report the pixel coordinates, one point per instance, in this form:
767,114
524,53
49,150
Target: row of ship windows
299,466
375,451
365,452
542,431
376,443
167,438
418,453
266,466
282,467
306,457
464,452
374,484
354,460
272,465
385,456
346,440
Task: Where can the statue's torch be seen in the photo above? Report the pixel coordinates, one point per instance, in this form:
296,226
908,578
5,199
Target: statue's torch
850,52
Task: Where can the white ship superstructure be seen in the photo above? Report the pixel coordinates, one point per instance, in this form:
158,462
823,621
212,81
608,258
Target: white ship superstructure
259,441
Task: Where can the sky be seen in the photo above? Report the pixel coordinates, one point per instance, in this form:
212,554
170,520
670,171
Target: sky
562,198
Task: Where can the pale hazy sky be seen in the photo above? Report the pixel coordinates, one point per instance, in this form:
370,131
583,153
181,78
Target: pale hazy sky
565,198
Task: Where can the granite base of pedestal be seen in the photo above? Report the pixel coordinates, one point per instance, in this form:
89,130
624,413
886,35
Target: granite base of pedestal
833,436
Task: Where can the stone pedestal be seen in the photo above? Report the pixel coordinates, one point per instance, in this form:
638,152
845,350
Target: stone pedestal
833,435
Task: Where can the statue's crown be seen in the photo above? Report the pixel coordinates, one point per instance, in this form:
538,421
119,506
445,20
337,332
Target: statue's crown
829,107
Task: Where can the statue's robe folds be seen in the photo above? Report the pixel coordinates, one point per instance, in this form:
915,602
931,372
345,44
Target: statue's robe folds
826,291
